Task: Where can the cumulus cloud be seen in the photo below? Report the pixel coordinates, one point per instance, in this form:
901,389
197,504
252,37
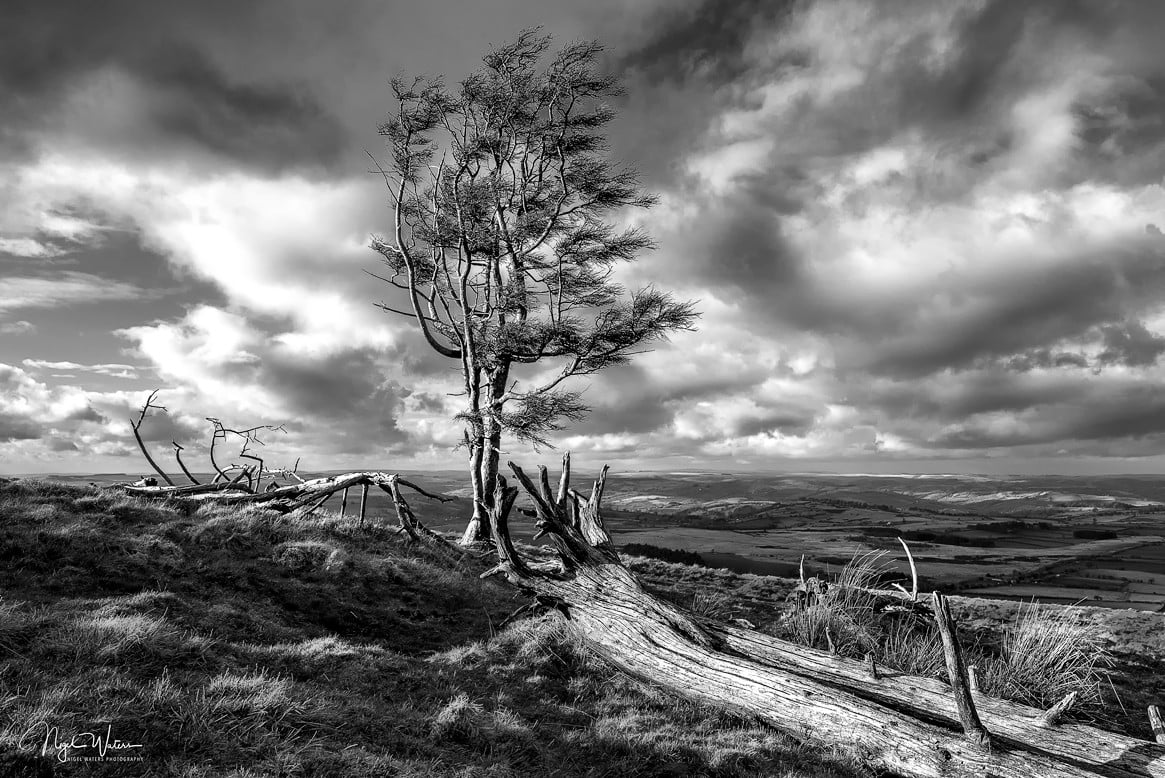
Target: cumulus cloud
344,401
914,230
938,206
39,421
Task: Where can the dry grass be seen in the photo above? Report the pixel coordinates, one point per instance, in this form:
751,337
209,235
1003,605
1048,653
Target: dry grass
842,617
248,644
1044,655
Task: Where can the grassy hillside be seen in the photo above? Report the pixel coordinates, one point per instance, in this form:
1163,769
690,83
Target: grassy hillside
239,643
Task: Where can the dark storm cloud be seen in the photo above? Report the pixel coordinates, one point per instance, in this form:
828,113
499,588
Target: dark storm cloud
624,399
257,124
630,413
344,393
963,105
678,73
748,252
950,397
1130,413
1134,413
737,249
322,386
991,63
795,422
15,427
706,40
1130,343
1123,131
1015,315
629,399
157,427
1011,313
46,49
429,402
419,359
1042,358
86,414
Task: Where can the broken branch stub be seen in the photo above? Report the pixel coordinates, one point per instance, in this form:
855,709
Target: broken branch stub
957,673
181,464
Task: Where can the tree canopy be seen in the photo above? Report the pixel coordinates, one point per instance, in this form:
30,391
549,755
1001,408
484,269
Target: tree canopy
506,233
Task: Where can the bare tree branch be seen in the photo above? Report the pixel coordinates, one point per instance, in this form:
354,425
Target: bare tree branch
136,427
178,456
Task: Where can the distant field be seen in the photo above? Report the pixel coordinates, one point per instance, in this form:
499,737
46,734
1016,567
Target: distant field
1096,540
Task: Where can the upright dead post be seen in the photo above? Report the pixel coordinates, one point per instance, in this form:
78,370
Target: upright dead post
957,671
344,503
363,502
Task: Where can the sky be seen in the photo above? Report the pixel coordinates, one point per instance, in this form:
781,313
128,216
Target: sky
923,236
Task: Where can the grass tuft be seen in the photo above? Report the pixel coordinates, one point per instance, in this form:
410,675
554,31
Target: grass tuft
843,615
1044,655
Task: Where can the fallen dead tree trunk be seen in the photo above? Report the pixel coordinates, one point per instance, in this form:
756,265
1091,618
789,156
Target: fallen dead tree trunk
304,496
1012,724
308,496
909,726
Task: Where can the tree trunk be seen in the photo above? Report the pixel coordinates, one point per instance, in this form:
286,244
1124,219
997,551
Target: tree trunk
478,527
896,723
486,460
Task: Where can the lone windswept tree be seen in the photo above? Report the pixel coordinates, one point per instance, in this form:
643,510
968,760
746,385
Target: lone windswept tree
503,241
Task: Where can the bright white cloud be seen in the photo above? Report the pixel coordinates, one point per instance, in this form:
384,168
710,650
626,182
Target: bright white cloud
287,247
